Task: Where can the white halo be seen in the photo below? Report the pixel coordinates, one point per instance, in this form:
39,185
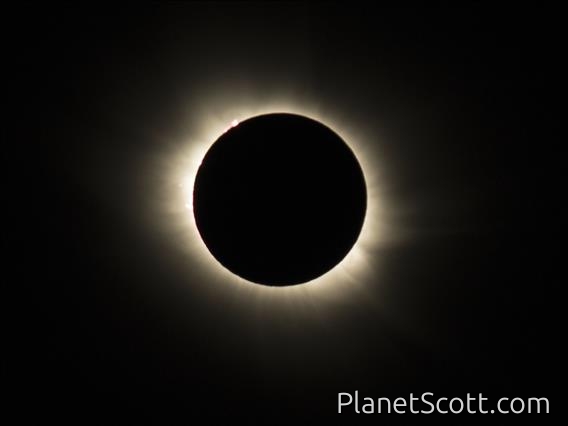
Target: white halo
350,276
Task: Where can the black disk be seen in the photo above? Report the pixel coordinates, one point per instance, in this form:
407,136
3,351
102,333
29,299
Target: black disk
279,199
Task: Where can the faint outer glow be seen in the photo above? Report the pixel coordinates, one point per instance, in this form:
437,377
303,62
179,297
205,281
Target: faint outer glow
350,277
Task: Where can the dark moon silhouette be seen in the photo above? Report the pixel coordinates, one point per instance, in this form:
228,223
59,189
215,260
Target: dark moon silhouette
279,199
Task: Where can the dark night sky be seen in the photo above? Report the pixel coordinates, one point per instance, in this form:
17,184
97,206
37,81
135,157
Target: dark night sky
114,318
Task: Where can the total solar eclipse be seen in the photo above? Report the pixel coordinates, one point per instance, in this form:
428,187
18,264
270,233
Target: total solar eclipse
279,199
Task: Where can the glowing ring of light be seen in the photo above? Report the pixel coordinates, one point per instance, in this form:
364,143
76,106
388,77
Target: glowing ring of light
349,276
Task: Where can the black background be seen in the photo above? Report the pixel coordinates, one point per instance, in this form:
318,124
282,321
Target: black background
105,327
